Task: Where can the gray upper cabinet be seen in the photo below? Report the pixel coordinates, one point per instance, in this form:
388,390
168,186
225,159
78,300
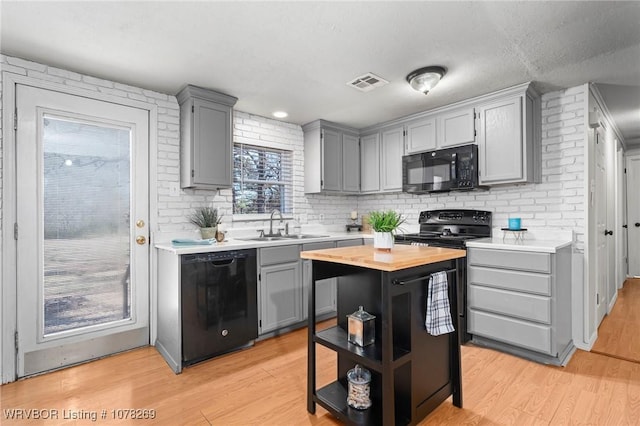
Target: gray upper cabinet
370,163
421,135
509,138
392,149
350,163
206,147
456,127
451,127
331,158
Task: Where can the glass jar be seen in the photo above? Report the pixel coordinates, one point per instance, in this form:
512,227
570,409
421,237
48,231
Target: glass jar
359,380
361,327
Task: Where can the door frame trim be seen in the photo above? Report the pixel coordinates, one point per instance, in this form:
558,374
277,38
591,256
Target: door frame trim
8,286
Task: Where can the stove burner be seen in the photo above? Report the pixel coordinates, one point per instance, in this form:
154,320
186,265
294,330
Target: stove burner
449,228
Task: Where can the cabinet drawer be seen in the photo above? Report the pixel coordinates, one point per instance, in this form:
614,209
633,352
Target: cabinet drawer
524,261
516,332
274,255
318,246
349,243
510,280
526,306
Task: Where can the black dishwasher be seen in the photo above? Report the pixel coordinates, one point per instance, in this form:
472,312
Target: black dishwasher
219,303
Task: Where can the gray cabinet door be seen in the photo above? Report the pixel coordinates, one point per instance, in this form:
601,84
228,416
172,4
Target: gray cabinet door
391,164
280,296
325,289
500,141
212,158
456,128
350,163
370,163
421,135
331,160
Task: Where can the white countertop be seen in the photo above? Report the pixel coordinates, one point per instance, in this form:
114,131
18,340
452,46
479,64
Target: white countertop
510,243
238,244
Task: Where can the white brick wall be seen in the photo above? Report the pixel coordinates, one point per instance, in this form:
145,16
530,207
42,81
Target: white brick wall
557,202
252,129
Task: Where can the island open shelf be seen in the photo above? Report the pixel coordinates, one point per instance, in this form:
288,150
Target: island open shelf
412,371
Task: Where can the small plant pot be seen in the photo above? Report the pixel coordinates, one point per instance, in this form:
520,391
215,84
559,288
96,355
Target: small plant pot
208,233
383,240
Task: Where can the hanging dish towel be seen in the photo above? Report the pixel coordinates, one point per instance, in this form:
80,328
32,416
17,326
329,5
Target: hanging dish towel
438,318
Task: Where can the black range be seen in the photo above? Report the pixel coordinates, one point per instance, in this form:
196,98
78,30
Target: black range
451,229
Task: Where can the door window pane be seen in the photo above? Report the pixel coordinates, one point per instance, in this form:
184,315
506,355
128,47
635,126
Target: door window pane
86,195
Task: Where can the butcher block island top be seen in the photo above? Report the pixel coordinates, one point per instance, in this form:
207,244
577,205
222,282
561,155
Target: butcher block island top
400,257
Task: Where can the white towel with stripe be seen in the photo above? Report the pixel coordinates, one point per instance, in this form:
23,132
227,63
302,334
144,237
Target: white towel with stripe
438,318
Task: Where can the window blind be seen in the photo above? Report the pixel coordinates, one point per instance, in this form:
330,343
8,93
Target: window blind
262,179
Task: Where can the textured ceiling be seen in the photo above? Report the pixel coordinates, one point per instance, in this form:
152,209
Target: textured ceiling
298,56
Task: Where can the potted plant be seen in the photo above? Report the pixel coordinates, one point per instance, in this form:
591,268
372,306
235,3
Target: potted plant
207,219
384,224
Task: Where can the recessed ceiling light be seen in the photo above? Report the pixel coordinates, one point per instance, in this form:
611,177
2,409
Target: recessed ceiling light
280,114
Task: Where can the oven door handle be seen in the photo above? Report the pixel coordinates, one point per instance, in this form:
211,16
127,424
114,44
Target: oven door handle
422,278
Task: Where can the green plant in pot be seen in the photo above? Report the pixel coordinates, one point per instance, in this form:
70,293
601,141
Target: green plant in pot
384,225
207,219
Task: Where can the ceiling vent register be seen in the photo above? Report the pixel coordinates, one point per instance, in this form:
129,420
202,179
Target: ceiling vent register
367,82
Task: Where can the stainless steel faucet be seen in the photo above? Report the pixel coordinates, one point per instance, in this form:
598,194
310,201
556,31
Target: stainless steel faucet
273,212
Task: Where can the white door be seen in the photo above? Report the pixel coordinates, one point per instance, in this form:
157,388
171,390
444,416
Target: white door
633,214
82,211
602,259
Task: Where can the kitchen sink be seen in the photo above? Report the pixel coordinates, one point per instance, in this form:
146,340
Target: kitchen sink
283,237
302,236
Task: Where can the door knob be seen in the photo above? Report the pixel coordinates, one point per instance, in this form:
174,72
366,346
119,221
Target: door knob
141,239
608,232
625,226
637,224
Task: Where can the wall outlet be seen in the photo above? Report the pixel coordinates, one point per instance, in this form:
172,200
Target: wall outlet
321,217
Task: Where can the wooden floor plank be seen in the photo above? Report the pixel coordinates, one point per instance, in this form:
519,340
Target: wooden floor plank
618,333
266,385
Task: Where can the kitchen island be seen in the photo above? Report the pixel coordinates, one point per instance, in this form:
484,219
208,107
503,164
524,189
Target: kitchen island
412,372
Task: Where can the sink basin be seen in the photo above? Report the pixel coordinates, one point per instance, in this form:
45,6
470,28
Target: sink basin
283,237
302,236
262,239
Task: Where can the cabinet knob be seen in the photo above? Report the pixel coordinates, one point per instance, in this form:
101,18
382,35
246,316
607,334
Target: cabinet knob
141,239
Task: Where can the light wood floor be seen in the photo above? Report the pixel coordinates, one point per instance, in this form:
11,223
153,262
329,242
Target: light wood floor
619,332
266,385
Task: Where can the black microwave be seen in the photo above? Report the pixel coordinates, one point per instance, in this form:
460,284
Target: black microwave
450,169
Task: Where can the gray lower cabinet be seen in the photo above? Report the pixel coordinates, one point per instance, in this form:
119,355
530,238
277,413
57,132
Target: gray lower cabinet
520,301
280,288
325,289
284,281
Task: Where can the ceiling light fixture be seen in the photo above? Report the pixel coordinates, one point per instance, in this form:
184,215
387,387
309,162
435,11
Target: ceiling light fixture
280,114
425,79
